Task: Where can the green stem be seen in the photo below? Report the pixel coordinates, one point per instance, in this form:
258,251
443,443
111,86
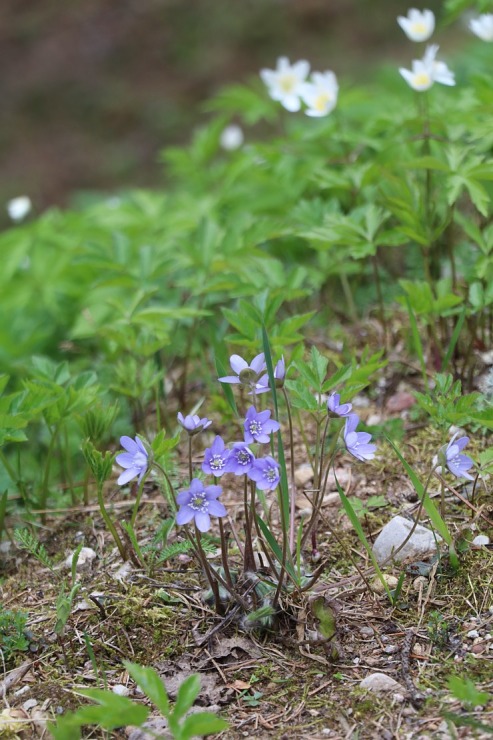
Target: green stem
190,469
109,523
292,508
140,491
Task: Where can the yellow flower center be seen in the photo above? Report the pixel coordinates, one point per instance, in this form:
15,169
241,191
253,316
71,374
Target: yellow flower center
422,79
419,27
287,83
321,101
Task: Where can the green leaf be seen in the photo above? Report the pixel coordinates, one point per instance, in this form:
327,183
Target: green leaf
353,518
111,710
428,505
464,690
187,693
202,723
151,685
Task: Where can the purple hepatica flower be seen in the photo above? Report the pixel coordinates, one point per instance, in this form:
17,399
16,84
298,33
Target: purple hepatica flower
193,424
357,442
199,503
279,374
245,374
258,426
457,464
215,458
265,473
240,459
135,460
334,405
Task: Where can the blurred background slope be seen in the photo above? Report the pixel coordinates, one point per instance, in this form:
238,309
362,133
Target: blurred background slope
91,90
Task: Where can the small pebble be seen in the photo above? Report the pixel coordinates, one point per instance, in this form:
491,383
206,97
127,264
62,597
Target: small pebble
120,689
473,634
390,649
29,704
86,556
480,540
22,691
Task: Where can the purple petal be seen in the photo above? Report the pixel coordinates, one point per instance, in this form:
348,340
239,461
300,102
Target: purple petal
217,446
461,443
352,422
229,379
258,363
141,446
185,515
237,363
183,497
127,475
203,521
271,426
216,508
363,437
212,492
180,417
196,486
129,444
126,460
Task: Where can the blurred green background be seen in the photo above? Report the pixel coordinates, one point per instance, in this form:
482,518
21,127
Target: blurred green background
91,90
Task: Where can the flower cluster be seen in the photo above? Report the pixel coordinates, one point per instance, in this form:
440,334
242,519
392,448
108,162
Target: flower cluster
289,85
428,70
419,25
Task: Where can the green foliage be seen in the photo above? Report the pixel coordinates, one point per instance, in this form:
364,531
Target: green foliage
465,690
28,542
111,711
12,632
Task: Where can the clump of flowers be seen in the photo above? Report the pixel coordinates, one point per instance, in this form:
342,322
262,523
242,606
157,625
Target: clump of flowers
428,70
285,83
289,85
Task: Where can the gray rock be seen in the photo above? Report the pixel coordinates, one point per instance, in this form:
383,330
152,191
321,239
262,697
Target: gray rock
380,682
86,556
481,539
421,543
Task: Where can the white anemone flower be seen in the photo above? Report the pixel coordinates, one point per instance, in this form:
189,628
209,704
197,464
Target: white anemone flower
418,25
285,82
482,27
231,137
320,94
427,71
18,208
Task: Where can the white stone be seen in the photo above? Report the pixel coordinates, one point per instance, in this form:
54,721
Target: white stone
378,586
481,539
30,704
303,475
421,543
473,634
86,556
120,689
380,682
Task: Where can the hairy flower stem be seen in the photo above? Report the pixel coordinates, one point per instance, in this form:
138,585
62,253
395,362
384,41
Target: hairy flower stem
442,498
292,498
212,578
249,559
190,470
109,523
140,491
224,554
